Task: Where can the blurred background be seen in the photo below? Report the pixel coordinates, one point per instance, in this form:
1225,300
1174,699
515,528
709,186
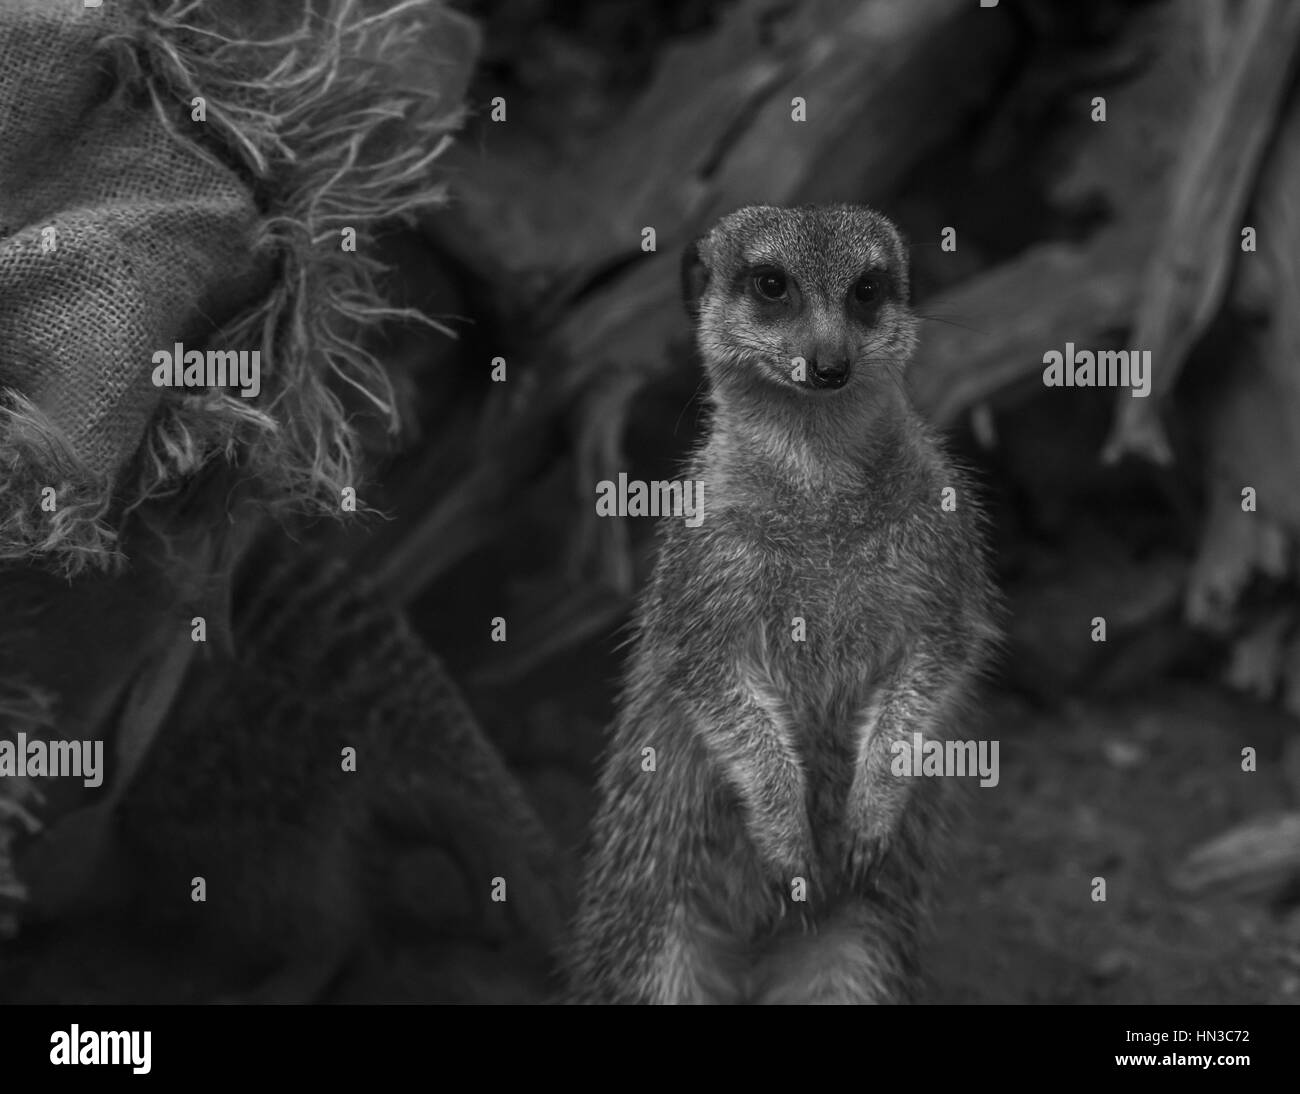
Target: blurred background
1099,166
1122,758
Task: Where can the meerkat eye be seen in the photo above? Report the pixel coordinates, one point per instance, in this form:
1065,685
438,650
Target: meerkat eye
770,284
866,290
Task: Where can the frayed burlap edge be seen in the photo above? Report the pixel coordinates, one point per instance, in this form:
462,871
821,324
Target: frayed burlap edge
310,131
329,138
51,502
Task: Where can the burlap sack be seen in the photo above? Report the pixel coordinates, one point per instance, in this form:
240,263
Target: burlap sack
133,216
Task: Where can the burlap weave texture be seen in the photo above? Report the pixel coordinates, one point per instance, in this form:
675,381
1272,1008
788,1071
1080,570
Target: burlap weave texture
128,225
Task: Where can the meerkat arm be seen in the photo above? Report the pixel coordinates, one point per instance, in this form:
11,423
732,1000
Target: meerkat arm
920,698
864,948
752,739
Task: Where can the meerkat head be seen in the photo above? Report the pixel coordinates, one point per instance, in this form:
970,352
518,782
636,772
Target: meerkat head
811,299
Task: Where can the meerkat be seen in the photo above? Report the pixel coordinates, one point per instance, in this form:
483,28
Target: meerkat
751,842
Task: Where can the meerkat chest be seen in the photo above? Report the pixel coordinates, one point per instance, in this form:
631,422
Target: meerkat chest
831,598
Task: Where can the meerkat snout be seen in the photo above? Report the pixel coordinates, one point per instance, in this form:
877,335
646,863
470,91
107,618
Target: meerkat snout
833,374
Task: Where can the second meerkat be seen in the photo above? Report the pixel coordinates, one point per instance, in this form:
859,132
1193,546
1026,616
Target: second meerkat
827,605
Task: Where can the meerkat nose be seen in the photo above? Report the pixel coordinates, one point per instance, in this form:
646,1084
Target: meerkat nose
830,372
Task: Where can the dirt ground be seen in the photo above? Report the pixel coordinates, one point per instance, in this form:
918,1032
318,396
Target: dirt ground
1121,789
1122,792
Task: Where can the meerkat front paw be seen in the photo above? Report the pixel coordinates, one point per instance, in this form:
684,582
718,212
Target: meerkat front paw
873,818
783,841
862,853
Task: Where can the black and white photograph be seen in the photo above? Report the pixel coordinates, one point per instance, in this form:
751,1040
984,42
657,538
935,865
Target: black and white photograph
557,502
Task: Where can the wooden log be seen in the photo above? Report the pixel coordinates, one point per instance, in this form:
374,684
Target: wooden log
1185,281
1252,433
884,83
1251,859
502,461
992,330
1007,317
1253,425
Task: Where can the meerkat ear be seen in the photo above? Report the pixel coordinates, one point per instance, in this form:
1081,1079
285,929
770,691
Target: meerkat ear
695,275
